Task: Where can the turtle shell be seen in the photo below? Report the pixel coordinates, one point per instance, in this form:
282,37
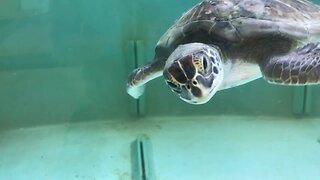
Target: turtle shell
235,21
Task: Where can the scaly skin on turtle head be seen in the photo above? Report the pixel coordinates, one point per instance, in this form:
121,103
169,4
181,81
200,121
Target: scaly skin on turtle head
194,72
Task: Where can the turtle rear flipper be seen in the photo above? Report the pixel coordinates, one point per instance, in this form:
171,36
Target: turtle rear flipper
300,67
140,76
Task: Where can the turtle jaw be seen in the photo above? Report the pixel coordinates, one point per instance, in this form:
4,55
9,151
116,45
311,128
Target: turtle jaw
191,99
197,73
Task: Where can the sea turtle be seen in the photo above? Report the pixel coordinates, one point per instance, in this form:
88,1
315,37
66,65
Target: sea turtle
219,44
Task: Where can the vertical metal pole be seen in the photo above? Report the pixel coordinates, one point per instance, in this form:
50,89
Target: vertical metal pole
308,100
140,61
298,100
302,100
142,159
132,64
136,58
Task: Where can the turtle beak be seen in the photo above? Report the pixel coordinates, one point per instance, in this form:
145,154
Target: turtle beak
195,97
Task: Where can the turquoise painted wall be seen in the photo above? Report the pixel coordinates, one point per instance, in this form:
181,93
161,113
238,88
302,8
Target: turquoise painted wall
67,61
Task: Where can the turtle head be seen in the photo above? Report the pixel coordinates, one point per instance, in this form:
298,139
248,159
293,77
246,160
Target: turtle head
194,72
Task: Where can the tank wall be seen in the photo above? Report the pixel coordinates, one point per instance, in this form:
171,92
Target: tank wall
62,61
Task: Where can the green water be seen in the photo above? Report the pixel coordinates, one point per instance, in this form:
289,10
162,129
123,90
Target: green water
64,63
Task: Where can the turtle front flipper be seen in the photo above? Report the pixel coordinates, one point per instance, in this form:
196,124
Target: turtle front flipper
300,67
140,76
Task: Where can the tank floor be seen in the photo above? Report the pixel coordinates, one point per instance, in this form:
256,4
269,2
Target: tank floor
186,148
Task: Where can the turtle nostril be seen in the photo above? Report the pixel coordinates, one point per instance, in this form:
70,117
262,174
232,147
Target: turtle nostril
194,82
188,87
215,70
205,65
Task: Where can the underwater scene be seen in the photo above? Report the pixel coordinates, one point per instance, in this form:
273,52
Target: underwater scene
160,90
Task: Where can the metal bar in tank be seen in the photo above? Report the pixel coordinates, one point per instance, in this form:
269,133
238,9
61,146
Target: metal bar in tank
131,64
135,58
298,100
308,100
141,159
140,61
302,100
